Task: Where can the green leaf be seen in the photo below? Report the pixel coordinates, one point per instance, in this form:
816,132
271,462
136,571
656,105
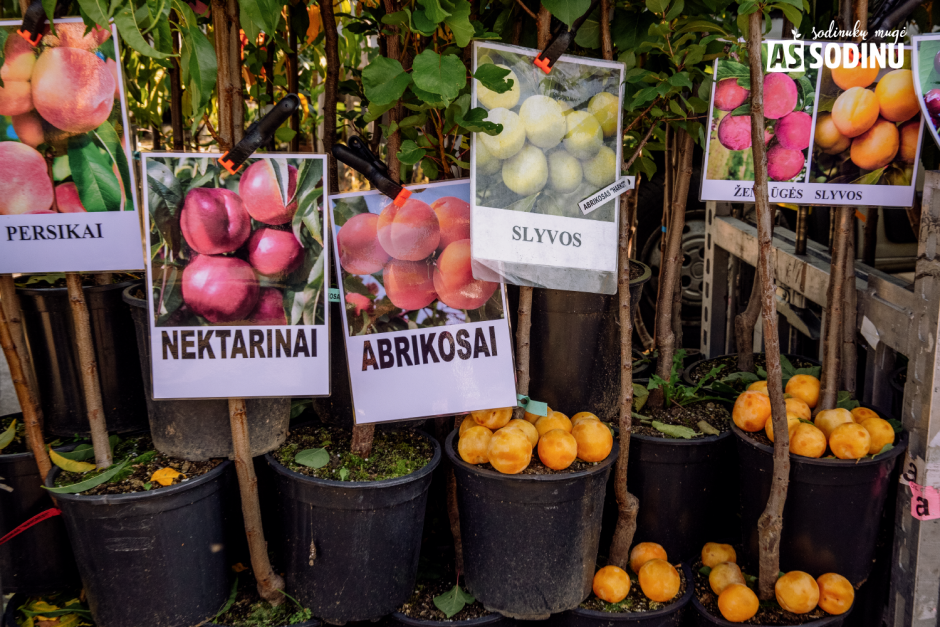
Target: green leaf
434,11
674,431
452,601
459,23
69,465
94,482
657,6
264,14
475,122
844,400
7,436
410,153
706,428
97,185
640,396
112,143
197,62
896,425
285,134
567,10
589,35
384,81
439,74
80,453
343,474
705,570
230,601
884,449
494,78
144,457
313,457
675,10
97,10
130,33
870,178
792,14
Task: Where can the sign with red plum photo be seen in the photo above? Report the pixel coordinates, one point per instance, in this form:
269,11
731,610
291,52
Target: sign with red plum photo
67,194
423,336
927,79
848,134
558,145
236,273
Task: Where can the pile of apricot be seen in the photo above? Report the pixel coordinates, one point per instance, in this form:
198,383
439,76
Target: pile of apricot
848,434
659,580
493,436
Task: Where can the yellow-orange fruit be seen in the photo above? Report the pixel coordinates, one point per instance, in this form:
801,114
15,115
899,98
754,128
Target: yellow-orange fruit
526,427
850,441
758,386
828,138
896,97
554,420
644,552
861,414
611,584
807,440
714,553
533,418
467,423
659,580
910,140
493,418
474,444
876,147
797,592
792,421
557,449
855,111
581,416
751,411
835,593
804,387
857,76
594,440
881,433
738,603
509,451
829,419
723,575
798,408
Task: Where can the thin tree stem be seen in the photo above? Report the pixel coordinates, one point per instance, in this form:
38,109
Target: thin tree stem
831,378
330,88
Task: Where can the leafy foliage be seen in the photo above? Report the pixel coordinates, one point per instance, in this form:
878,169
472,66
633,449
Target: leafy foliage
677,393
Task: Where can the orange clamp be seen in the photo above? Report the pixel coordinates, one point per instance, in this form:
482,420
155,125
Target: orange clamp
228,165
542,64
25,35
401,198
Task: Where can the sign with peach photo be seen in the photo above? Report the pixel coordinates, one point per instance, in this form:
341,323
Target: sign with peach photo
846,135
423,337
67,194
236,276
926,62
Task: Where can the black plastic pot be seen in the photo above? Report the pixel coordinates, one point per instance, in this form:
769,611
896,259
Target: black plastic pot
155,558
349,550
575,363
9,614
550,569
826,497
397,619
307,623
669,616
39,560
686,373
702,618
47,317
198,430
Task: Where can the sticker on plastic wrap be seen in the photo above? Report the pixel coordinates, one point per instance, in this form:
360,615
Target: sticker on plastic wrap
559,145
925,502
926,69
423,337
237,292
67,193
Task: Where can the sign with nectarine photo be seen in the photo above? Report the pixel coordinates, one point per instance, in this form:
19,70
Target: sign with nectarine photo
926,65
847,134
67,196
236,276
423,336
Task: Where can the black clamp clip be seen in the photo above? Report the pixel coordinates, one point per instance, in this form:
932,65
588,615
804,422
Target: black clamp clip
560,41
34,23
358,156
259,133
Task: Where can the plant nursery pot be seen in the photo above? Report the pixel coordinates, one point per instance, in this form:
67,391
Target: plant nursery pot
39,560
397,619
575,364
703,618
155,558
307,623
9,614
349,550
826,497
47,318
687,372
198,430
669,616
549,572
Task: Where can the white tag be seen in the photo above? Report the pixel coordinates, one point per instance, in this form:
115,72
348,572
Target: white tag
597,199
869,332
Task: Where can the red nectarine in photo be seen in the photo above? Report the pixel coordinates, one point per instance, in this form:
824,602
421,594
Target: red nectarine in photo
274,253
220,289
270,308
214,220
261,192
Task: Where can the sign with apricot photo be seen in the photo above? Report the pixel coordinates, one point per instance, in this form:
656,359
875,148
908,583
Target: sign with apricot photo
926,66
423,336
834,135
236,276
67,197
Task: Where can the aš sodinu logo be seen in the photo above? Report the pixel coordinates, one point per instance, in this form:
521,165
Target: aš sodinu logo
791,56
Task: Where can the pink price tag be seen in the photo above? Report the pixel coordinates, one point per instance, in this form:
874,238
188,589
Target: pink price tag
925,502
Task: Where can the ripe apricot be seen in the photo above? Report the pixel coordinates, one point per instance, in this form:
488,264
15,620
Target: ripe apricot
855,111
358,244
723,575
780,96
783,163
526,427
804,387
644,552
509,451
454,282
557,449
554,420
611,584
876,147
829,419
836,594
468,423
410,232
896,97
798,408
493,418
594,440
581,416
910,140
792,421
797,592
758,386
881,433
828,137
714,553
659,580
751,411
849,441
861,414
533,418
858,76
453,216
738,603
729,95
409,284
807,440
474,444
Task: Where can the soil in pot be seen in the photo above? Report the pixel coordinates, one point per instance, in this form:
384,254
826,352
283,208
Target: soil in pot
636,602
714,413
246,608
437,579
67,607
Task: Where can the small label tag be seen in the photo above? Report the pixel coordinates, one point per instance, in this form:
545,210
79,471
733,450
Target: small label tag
537,408
334,295
597,199
914,470
870,332
925,502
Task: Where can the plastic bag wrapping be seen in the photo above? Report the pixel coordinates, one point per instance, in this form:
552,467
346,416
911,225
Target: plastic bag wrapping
559,145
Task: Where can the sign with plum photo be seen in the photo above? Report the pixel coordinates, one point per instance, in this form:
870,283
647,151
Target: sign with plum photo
558,143
236,273
423,336
850,134
926,63
67,196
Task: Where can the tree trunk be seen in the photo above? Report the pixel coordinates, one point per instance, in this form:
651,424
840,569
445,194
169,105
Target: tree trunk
849,355
11,307
89,368
393,142
362,440
228,53
607,47
330,88
270,583
544,24
176,92
523,334
831,378
293,72
744,328
770,524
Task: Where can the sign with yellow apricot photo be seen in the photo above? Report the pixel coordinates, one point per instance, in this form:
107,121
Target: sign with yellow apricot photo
848,134
549,142
67,197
